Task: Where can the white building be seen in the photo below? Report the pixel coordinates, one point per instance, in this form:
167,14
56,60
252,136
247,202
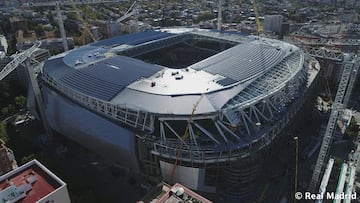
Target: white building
3,46
33,183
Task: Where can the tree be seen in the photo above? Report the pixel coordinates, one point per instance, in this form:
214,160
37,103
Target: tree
3,133
39,31
352,130
28,158
11,108
5,111
20,101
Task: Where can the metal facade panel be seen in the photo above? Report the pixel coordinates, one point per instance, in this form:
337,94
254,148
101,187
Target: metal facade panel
241,62
171,105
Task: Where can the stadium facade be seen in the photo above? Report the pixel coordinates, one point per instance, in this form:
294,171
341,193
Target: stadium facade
129,98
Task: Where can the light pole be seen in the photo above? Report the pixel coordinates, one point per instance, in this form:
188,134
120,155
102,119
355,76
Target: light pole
296,164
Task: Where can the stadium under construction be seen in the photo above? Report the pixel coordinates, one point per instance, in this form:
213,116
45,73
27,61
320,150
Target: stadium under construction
135,98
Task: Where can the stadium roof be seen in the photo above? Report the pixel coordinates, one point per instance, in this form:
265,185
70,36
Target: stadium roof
95,70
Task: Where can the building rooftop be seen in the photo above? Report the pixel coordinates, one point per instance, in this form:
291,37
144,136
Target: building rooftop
165,193
29,183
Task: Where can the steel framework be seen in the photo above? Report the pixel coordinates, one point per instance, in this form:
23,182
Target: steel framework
350,65
18,59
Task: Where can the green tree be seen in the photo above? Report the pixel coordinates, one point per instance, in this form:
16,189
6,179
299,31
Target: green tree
27,158
20,101
5,111
352,130
11,108
3,133
39,31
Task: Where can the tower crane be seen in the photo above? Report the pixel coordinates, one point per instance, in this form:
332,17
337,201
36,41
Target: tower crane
349,73
183,138
219,15
57,5
20,58
86,29
257,18
131,11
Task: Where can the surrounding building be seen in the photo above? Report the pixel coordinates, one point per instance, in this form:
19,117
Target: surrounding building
54,45
7,159
273,23
33,183
164,193
3,46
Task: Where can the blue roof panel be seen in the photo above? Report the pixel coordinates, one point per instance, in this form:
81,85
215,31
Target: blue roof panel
56,67
105,79
133,39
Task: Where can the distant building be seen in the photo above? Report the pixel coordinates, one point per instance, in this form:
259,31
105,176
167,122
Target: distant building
3,46
350,2
7,159
165,193
54,44
133,26
273,23
114,29
328,2
349,17
33,183
18,23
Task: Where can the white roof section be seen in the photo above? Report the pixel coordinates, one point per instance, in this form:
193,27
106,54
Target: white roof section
178,82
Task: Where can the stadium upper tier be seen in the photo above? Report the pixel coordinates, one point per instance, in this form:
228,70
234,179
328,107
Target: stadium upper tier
135,78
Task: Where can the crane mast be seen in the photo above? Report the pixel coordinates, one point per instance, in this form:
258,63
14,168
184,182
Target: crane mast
20,58
257,17
183,138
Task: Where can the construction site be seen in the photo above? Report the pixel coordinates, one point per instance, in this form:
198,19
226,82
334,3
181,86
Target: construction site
232,116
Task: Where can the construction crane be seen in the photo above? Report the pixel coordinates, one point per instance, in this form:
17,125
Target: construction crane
257,18
350,66
219,15
183,138
86,29
132,10
327,88
20,58
261,198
